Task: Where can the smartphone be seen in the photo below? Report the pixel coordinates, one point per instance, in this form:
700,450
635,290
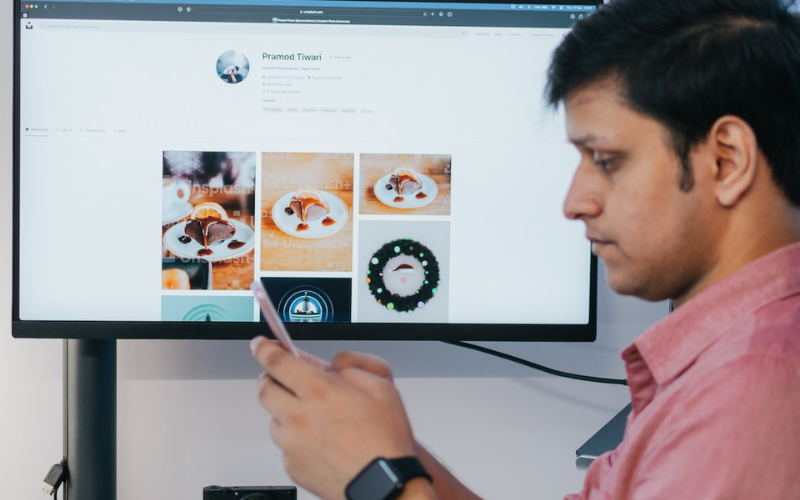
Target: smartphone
277,327
273,320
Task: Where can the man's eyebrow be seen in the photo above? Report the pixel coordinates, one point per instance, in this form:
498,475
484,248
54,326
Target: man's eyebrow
583,140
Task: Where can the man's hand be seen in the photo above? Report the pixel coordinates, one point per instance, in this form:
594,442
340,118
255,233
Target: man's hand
366,362
330,424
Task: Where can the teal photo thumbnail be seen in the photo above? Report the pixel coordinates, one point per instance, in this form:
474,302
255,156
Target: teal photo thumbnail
207,308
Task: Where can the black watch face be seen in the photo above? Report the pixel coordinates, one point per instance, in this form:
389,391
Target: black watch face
376,482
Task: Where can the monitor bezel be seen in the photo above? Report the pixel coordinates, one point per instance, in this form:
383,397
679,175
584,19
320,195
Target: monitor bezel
300,331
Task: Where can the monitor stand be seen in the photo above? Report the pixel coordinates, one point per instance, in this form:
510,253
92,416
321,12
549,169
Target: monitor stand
90,419
606,439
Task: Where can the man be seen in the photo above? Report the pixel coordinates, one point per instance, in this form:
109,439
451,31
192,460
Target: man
686,114
231,74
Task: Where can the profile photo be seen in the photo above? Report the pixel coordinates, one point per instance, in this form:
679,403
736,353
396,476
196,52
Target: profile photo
233,66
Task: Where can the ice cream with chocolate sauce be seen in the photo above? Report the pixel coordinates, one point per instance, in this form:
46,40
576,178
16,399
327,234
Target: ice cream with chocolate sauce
309,205
209,224
405,181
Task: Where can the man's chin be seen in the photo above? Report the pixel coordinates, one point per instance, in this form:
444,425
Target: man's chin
639,288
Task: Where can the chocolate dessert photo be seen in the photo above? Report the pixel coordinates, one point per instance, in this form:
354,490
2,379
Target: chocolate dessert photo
219,224
306,212
210,234
310,213
405,184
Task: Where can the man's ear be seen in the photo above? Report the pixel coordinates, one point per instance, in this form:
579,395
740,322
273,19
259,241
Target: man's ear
733,144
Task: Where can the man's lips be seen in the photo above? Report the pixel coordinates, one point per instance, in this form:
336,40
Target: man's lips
597,243
596,238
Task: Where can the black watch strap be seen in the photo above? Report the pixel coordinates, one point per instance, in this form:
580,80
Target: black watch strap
409,468
384,478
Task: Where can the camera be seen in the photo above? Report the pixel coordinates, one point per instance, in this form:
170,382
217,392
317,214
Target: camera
250,493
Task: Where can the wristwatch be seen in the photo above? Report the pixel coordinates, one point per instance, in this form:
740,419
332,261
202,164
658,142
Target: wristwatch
384,479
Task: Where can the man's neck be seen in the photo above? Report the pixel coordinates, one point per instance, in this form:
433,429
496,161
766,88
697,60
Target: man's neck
746,241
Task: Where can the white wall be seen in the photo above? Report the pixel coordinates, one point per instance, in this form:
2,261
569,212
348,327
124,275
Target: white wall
188,417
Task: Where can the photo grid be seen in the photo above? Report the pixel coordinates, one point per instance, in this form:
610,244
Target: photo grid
333,236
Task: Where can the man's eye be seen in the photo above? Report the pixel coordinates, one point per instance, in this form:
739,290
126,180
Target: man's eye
604,164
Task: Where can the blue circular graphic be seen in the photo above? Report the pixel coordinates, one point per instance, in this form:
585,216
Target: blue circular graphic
306,304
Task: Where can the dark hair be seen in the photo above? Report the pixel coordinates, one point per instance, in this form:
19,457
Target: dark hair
686,63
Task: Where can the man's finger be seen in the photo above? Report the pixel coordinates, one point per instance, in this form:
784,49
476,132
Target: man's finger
296,375
274,397
366,362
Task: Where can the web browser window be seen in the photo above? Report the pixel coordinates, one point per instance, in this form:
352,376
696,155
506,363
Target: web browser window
368,161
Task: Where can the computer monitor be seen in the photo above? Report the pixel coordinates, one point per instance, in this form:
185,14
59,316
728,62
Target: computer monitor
389,170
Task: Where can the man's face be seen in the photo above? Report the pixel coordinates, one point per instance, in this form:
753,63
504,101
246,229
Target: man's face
655,239
403,275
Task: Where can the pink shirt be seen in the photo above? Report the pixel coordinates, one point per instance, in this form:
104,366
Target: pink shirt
715,390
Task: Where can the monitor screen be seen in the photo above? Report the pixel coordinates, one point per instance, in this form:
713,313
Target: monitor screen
388,170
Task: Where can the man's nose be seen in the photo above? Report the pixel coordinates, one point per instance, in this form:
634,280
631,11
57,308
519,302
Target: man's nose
582,199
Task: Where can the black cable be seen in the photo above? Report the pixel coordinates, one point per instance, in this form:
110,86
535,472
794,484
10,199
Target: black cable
536,366
55,476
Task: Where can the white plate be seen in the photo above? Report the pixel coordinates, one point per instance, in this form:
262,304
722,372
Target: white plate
244,233
387,196
288,223
176,213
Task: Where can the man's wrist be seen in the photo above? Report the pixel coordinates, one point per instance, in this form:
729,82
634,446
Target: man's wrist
418,488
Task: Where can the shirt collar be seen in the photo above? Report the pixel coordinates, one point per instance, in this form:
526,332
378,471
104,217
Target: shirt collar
674,343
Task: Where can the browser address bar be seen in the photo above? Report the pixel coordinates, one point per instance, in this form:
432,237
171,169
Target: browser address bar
306,11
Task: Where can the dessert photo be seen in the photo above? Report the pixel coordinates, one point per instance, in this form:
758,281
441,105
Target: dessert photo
405,184
306,212
310,213
218,225
209,233
405,188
